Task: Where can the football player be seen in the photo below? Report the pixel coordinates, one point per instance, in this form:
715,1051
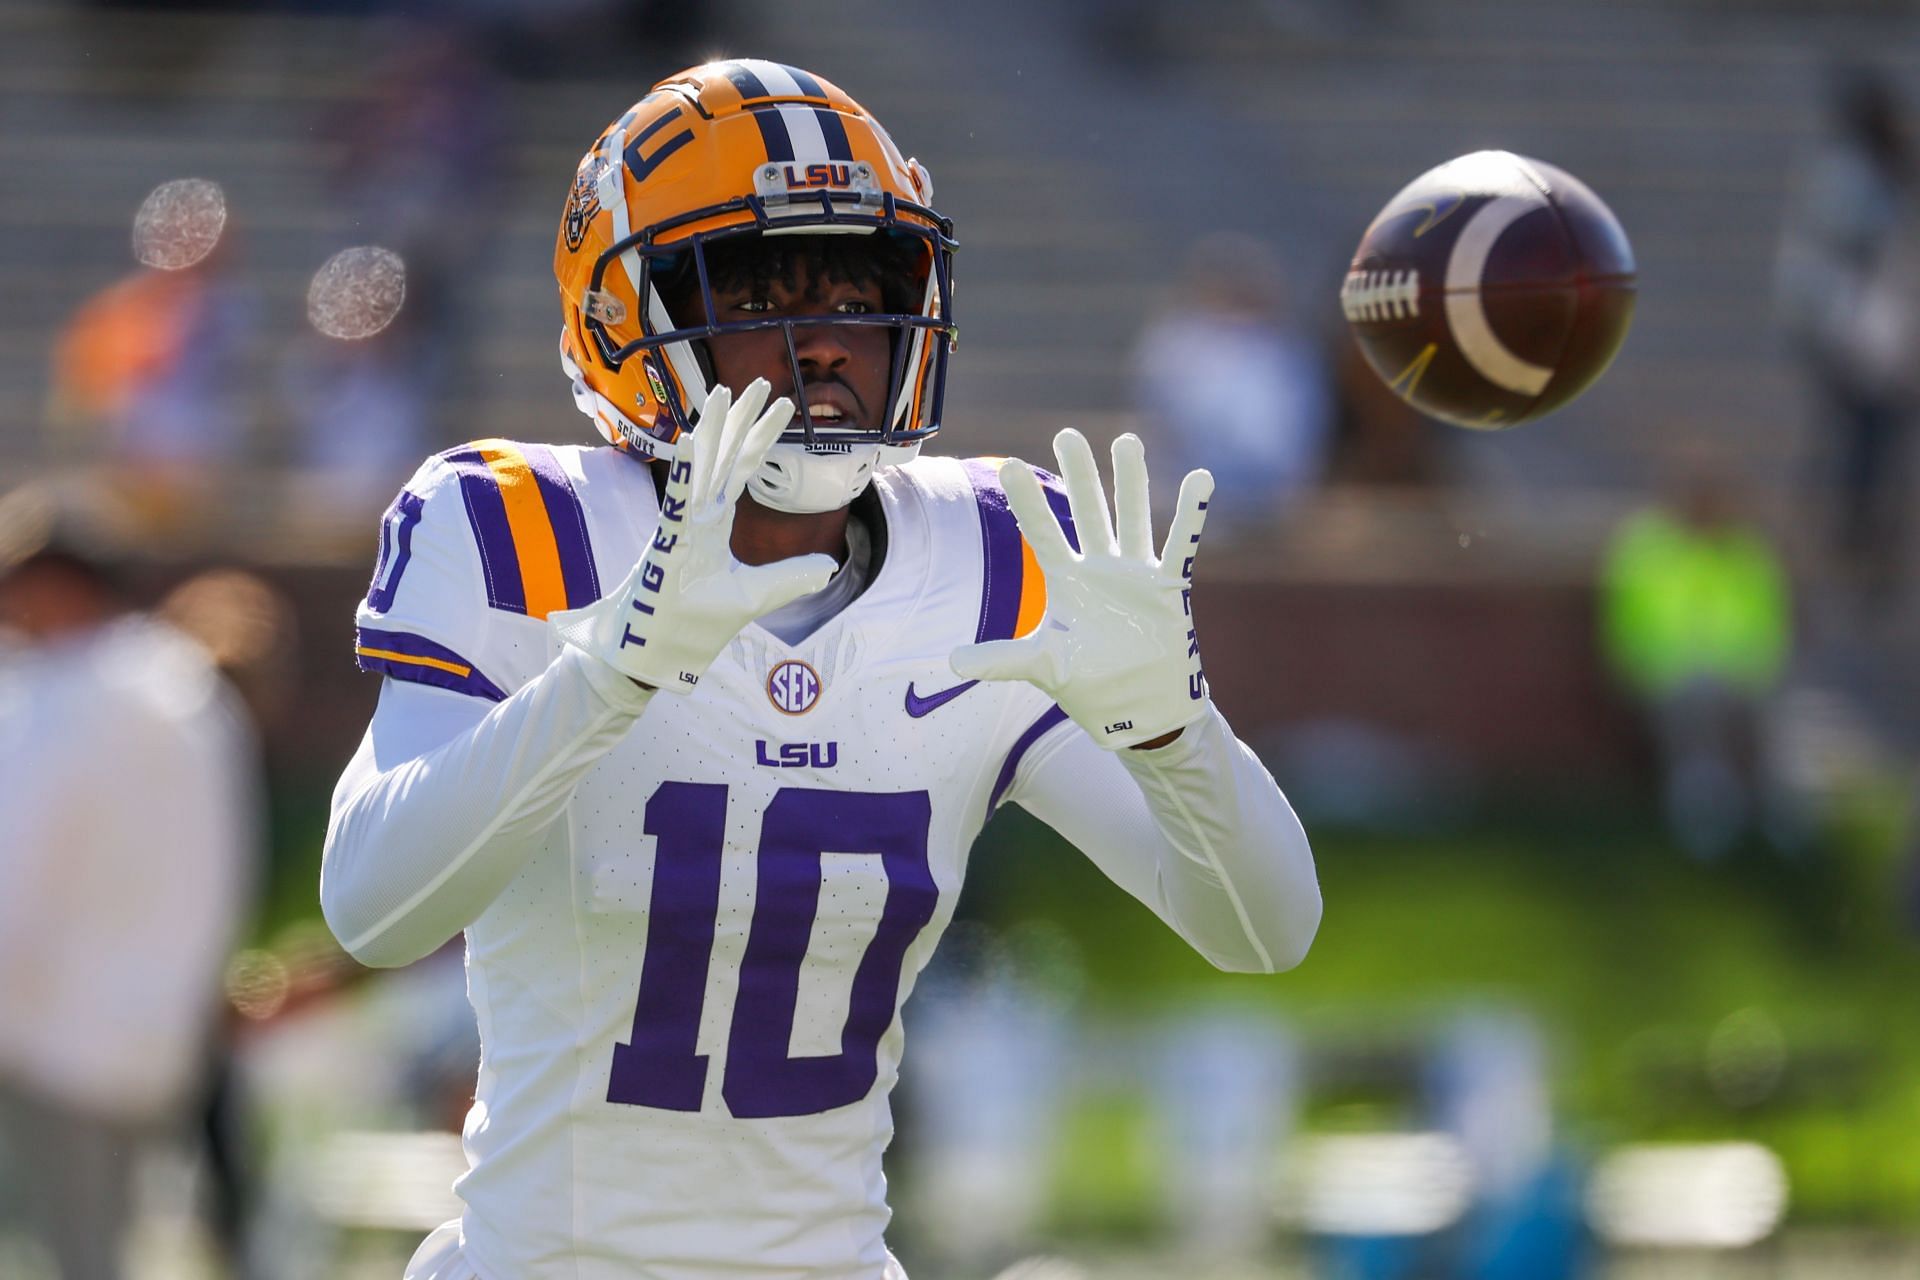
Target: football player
691,734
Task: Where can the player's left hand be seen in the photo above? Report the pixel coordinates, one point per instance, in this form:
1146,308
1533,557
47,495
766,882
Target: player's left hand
1116,648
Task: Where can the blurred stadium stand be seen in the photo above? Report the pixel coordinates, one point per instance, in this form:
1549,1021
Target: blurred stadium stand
1077,175
1081,148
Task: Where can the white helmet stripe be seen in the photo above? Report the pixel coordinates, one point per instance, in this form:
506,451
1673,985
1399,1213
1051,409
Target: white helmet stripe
613,196
774,76
803,128
679,354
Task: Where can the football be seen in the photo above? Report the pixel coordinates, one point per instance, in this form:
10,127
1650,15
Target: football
1491,290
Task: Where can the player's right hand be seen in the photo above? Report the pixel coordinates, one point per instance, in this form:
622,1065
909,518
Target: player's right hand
688,596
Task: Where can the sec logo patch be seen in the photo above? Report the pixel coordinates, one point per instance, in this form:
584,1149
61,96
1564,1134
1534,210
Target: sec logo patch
793,687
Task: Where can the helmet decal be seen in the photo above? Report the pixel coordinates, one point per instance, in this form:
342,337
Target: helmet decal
653,381
582,203
643,168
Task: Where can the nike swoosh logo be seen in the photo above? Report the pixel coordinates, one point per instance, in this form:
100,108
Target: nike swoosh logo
918,706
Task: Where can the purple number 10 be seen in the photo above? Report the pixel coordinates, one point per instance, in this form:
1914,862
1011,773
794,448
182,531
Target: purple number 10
659,1067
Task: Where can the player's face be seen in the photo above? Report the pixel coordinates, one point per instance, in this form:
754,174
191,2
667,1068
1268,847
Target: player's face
844,368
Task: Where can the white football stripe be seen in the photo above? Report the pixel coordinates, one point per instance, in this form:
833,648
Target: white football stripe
1467,317
803,127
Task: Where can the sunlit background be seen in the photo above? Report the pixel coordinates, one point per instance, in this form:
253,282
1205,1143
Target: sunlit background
1618,973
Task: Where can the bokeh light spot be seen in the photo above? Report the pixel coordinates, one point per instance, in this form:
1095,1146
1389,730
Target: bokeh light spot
357,292
179,223
1725,1195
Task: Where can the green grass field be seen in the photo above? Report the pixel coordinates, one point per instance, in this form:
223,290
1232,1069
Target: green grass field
1761,997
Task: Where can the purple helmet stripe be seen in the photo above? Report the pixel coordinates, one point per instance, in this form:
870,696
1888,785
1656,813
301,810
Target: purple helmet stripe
749,84
808,85
773,132
838,145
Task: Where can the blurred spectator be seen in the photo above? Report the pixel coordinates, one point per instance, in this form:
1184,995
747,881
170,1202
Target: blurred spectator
127,825
1378,438
249,631
145,376
1225,382
993,1031
1696,621
248,627
1225,1087
1850,293
1487,1084
360,416
420,173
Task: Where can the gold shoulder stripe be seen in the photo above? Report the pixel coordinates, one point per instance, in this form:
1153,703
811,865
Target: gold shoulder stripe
531,526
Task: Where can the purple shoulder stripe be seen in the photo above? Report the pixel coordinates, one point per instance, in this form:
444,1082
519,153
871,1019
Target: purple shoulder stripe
569,521
1048,719
406,656
1000,550
1003,564
487,512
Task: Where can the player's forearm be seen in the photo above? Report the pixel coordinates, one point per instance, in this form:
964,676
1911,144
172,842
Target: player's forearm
1241,885
424,837
1196,830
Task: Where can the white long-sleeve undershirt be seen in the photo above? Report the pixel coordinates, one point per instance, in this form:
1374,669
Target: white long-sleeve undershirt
449,796
1197,830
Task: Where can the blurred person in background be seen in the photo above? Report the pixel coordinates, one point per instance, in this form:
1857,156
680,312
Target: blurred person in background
147,372
128,827
360,413
1849,282
248,629
1696,622
1379,439
993,1029
420,170
1225,381
1225,1089
1486,1085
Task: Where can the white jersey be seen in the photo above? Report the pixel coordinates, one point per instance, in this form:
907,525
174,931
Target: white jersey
689,997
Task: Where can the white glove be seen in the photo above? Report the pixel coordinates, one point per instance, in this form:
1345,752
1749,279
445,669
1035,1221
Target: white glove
1116,648
688,596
